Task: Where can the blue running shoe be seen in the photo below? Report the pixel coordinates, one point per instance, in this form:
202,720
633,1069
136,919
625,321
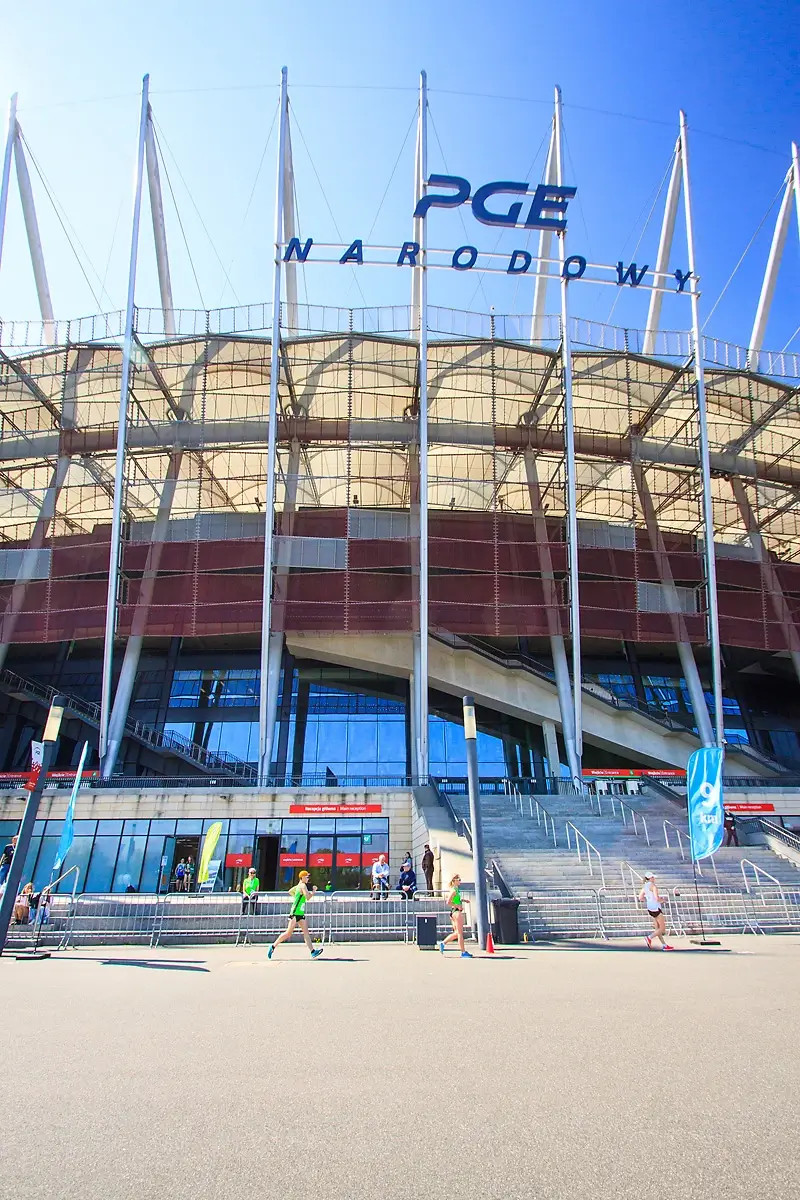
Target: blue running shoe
466,954
316,953
269,952
441,947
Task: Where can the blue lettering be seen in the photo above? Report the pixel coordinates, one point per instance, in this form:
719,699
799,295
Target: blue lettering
549,198
480,211
354,252
464,266
437,200
521,256
682,279
408,253
294,247
576,260
629,274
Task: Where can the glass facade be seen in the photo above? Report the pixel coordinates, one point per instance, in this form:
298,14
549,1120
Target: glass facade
142,856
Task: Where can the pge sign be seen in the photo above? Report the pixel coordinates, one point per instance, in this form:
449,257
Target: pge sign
547,210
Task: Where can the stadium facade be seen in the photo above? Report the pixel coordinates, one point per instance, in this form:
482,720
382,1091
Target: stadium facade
440,502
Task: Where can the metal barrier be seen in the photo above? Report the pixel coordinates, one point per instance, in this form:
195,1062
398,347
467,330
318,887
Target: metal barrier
757,873
684,835
579,837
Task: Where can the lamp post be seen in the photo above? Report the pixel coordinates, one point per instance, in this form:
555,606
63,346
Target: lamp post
476,827
36,787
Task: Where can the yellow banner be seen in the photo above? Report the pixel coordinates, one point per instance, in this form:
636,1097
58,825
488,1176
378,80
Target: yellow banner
209,846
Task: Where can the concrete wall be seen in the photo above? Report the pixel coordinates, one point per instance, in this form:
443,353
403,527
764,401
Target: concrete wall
451,853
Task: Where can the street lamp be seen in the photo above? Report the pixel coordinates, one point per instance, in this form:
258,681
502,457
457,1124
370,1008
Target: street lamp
476,826
43,755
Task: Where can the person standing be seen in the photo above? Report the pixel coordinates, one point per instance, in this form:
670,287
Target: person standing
297,917
652,898
180,875
380,877
730,829
455,903
250,889
190,870
6,859
427,868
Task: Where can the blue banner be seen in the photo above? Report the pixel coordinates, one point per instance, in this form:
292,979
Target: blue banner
704,794
67,833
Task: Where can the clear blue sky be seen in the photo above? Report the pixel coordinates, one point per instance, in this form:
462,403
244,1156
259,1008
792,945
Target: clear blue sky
625,70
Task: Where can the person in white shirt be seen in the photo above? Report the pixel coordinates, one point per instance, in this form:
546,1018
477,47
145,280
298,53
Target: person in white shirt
380,878
651,897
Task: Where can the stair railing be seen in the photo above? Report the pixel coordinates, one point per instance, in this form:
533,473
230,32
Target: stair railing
682,835
536,810
628,811
757,873
576,839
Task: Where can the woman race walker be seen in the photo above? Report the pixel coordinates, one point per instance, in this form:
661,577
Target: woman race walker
652,899
456,905
300,894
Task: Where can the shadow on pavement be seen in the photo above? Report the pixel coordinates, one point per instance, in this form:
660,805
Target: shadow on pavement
150,964
616,948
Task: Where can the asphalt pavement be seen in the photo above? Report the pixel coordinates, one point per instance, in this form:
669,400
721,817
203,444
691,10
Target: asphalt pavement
385,1072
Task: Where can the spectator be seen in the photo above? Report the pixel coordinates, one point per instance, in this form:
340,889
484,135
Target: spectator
6,859
190,872
407,884
380,877
42,914
250,889
180,875
427,868
408,862
730,829
22,907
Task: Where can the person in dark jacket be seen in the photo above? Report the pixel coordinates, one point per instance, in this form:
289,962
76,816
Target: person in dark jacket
427,867
730,829
407,884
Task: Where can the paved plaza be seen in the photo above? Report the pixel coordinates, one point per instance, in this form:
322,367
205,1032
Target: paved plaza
383,1072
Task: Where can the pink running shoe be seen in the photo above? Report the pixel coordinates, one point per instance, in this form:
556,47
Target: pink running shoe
666,947
649,941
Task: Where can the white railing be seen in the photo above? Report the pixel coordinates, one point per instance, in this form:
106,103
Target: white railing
757,873
682,835
536,810
627,811
575,836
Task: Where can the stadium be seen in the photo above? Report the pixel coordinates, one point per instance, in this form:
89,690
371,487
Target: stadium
264,583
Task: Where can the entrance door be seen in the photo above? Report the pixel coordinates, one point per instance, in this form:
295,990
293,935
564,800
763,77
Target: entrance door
185,848
266,861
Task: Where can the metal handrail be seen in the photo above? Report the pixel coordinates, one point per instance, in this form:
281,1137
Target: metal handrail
590,849
623,866
460,824
76,871
778,831
683,833
757,871
635,814
535,809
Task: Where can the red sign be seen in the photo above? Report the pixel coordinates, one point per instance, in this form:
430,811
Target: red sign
368,859
348,860
341,810
321,859
744,807
239,860
293,860
70,775
632,773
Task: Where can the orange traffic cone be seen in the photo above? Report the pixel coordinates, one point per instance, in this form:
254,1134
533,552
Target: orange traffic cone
489,943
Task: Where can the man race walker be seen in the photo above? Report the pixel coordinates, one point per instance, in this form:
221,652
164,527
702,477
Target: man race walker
297,917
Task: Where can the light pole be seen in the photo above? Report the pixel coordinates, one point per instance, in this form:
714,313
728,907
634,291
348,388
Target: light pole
36,785
476,828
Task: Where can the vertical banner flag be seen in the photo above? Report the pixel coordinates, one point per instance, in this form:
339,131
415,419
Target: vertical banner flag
704,793
37,756
67,833
209,846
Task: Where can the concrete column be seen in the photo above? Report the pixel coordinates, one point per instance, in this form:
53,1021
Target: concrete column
282,560
679,632
551,748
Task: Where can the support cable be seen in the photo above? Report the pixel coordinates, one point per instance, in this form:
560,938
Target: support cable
744,253
460,207
648,219
411,124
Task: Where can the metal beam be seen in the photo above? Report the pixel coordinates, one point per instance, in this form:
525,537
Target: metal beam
664,251
34,240
122,425
771,270
5,178
705,465
545,250
420,274
159,227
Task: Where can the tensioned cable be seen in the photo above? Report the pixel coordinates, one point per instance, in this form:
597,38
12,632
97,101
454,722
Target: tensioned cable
659,190
61,221
791,339
252,194
180,221
327,203
391,177
194,206
743,255
111,247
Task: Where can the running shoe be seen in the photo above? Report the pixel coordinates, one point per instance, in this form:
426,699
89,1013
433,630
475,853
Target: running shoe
666,947
441,947
649,941
316,953
269,952
466,954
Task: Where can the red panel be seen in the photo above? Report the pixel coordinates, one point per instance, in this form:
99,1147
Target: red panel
320,860
348,860
238,860
292,860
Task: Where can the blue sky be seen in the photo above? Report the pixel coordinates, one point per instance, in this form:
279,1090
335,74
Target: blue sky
625,70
